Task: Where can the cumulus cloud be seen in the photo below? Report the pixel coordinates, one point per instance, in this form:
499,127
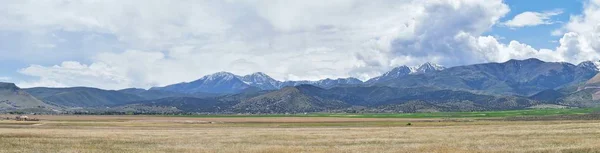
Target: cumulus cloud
532,19
155,43
580,40
72,73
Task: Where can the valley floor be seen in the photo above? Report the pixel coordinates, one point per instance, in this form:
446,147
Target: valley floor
295,134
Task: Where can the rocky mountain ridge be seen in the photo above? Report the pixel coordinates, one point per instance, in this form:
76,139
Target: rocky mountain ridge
514,84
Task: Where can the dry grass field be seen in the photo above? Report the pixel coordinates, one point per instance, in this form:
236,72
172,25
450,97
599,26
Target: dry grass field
294,134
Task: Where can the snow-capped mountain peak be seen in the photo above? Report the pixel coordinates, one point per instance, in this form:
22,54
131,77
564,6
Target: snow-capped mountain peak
594,65
404,70
219,76
258,74
325,83
260,80
339,81
220,82
399,71
428,67
394,73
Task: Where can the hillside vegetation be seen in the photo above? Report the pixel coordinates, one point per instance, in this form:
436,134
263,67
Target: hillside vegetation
511,85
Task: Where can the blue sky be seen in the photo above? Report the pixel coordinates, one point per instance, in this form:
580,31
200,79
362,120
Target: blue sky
537,36
115,44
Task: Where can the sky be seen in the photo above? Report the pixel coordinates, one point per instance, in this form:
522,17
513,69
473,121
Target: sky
116,44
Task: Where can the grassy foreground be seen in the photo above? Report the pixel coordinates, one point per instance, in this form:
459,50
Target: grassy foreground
321,134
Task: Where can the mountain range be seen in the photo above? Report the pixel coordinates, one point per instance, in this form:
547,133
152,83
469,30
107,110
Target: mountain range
229,83
514,77
225,82
404,70
514,84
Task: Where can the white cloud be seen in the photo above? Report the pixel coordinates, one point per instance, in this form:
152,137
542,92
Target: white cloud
581,39
173,42
532,19
72,73
162,42
557,32
491,49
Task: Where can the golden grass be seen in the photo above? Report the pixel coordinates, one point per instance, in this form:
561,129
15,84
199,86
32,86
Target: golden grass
150,134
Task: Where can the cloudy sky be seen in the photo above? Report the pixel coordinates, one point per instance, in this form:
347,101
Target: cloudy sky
116,44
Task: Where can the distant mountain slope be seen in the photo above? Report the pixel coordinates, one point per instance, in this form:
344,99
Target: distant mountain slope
13,98
594,82
288,100
325,83
158,94
265,82
330,83
515,84
222,104
593,65
449,100
549,95
261,80
428,68
308,98
587,95
520,77
228,83
443,100
174,104
582,98
402,71
367,96
82,96
151,94
221,82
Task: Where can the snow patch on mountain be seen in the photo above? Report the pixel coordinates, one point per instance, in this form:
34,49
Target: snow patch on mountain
593,65
427,68
225,82
260,80
404,70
